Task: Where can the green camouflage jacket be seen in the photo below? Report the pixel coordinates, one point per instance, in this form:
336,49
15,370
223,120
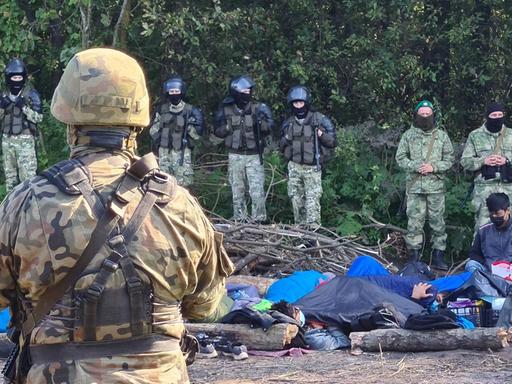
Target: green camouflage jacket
480,144
43,231
412,152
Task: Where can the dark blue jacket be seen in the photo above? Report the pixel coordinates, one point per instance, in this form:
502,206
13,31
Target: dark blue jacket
492,244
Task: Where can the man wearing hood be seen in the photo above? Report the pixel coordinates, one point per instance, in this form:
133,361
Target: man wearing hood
493,239
243,124
20,111
425,153
487,153
176,126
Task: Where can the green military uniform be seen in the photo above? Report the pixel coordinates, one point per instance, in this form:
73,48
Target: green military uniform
480,144
138,290
425,194
167,133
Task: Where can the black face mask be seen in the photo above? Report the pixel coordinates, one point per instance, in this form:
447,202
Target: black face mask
15,87
498,221
301,112
425,123
494,125
175,99
242,99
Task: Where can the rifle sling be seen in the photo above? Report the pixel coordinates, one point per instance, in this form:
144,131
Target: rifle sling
427,158
499,142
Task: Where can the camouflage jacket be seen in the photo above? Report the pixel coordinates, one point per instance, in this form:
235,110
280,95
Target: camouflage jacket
479,145
43,231
412,152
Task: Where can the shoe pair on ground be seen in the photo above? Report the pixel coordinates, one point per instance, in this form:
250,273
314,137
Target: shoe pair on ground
209,350
437,258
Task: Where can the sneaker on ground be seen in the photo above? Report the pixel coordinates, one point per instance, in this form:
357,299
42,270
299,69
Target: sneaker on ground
236,351
206,351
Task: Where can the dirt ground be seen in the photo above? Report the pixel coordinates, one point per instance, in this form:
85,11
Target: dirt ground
450,367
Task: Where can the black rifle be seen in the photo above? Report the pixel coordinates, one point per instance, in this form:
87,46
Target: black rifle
257,135
317,151
468,194
184,139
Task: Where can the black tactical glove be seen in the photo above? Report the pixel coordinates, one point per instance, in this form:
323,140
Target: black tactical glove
5,101
20,102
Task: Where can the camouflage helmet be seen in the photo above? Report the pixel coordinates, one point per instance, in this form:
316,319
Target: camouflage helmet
102,86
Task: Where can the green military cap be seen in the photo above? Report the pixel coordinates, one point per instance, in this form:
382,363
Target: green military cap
423,103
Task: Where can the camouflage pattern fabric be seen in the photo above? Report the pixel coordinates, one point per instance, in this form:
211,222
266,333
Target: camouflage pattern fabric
412,152
419,207
246,171
19,157
480,144
169,161
43,231
305,191
102,86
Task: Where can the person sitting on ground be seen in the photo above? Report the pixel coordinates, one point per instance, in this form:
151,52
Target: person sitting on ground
493,241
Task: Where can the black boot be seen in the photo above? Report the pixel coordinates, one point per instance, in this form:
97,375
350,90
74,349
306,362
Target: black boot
438,260
414,255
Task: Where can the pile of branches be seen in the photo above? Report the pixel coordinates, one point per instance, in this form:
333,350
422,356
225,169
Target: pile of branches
281,248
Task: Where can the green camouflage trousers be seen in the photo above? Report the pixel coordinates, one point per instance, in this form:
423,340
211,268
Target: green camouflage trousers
246,171
169,161
305,191
20,161
480,194
419,207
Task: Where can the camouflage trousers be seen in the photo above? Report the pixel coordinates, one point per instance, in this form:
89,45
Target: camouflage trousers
419,207
19,157
157,368
480,194
169,161
246,171
305,191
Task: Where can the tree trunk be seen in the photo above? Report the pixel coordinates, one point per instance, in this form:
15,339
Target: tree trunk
276,337
119,39
404,340
262,283
85,18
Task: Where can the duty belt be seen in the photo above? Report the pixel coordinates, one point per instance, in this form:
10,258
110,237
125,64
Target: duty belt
47,353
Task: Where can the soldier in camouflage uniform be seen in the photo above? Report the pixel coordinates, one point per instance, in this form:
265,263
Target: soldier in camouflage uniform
20,111
425,153
487,153
176,126
121,321
307,139
243,124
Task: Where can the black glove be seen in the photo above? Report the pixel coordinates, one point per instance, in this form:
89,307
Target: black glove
5,101
20,102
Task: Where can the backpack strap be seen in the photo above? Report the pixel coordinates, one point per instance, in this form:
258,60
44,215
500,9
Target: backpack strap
156,184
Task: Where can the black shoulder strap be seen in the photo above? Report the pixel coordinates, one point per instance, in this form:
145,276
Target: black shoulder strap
159,183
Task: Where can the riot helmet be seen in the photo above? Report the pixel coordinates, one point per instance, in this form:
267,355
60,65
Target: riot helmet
240,88
175,89
299,99
15,67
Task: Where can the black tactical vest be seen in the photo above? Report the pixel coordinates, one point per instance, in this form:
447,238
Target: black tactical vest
173,126
240,127
302,137
14,121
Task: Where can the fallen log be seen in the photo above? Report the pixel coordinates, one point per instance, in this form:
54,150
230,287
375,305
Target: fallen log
262,283
404,340
274,339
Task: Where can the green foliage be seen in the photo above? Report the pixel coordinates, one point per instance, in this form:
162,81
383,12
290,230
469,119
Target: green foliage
364,60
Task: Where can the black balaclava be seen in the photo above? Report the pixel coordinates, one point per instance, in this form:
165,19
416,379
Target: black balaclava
301,112
175,98
425,123
242,99
494,125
